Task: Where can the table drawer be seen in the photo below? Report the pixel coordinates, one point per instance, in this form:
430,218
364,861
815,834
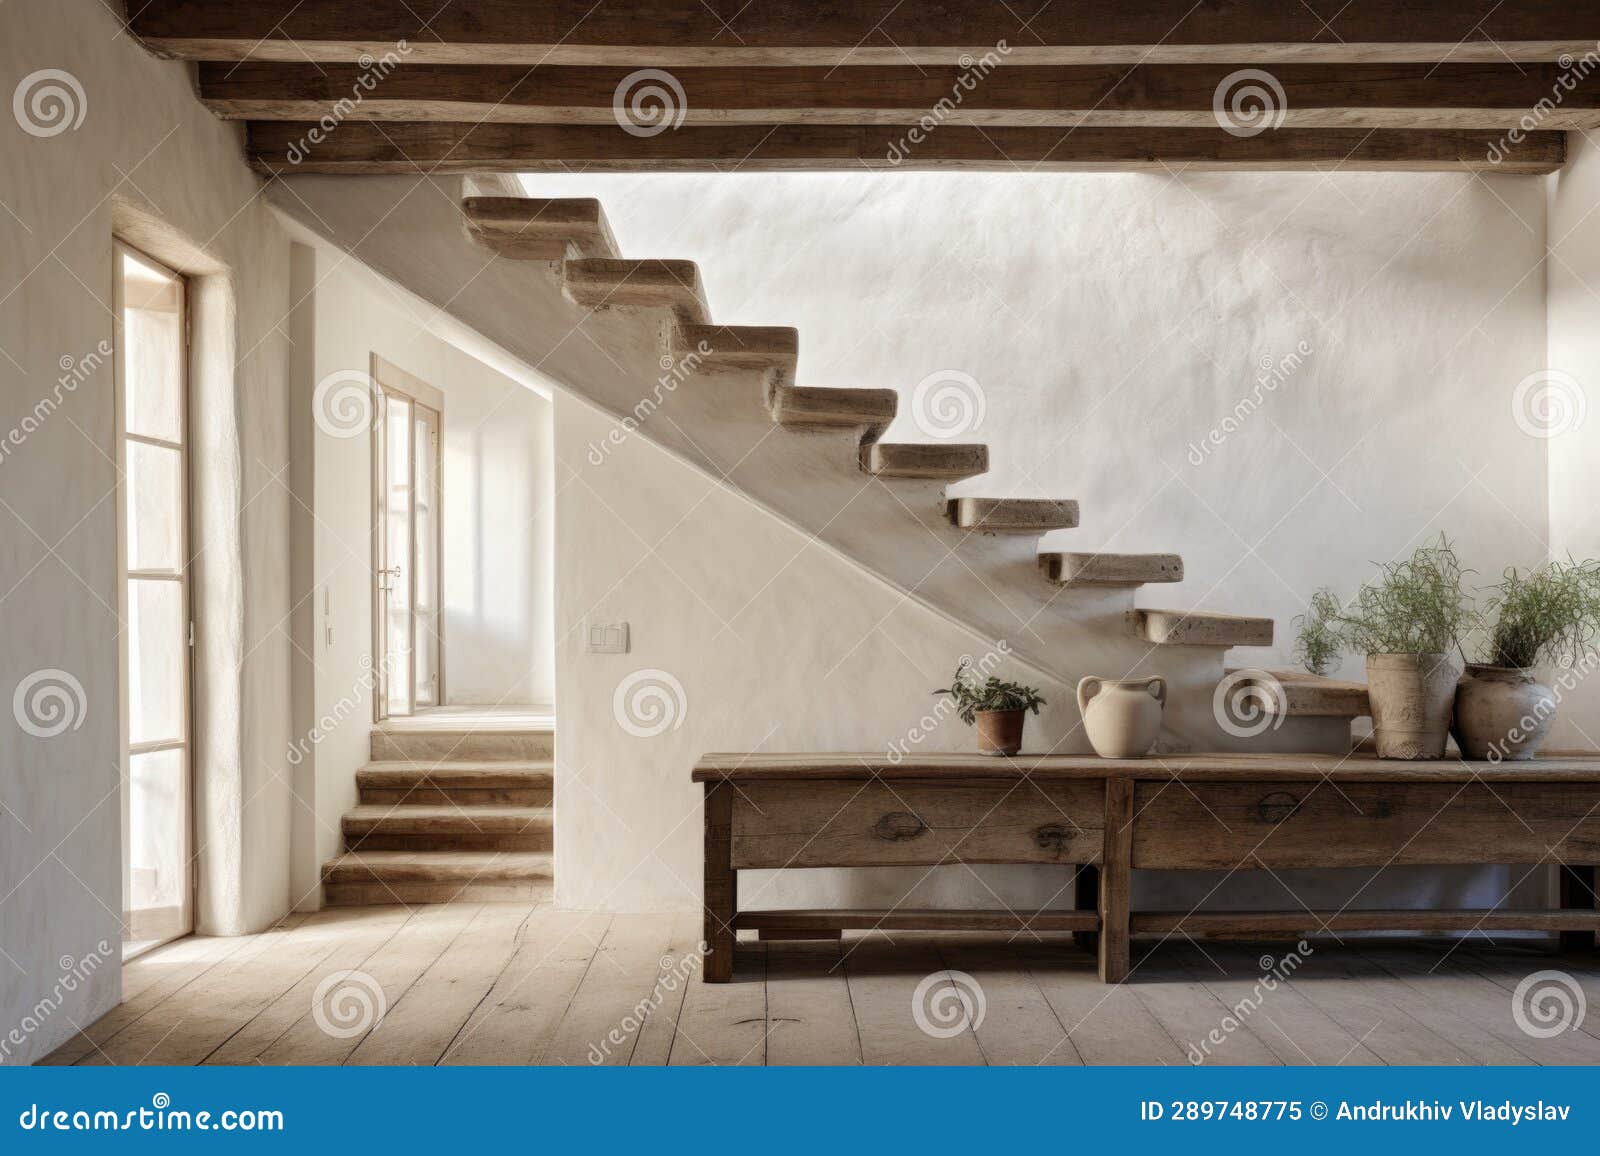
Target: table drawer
1323,824
878,824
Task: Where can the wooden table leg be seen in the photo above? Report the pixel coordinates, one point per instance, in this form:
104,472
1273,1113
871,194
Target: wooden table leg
1116,880
721,888
1577,893
1088,899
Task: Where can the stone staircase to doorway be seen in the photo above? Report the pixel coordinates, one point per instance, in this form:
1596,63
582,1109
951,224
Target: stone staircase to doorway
448,815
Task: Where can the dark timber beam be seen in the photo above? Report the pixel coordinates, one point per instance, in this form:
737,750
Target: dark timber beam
412,147
667,33
1311,95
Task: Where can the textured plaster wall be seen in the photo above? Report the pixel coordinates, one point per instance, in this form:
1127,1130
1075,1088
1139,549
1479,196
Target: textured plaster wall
145,159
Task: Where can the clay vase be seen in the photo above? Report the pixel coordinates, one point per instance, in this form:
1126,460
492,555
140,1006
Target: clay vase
1502,712
1413,697
1000,731
1122,718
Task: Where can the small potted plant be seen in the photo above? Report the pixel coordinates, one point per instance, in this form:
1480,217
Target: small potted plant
1317,642
998,709
1407,623
1549,614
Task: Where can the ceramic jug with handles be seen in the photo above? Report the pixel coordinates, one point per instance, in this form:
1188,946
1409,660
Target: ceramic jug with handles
1122,717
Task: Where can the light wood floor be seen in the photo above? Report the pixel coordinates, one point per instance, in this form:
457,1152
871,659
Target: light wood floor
508,984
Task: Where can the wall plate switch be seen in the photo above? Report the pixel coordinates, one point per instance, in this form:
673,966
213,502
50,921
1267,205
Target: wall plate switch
606,638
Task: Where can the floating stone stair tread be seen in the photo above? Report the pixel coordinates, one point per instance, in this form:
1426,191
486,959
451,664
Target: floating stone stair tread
941,461
477,776
1014,515
738,346
598,282
816,406
1088,569
458,867
541,228
1201,628
408,819
1303,695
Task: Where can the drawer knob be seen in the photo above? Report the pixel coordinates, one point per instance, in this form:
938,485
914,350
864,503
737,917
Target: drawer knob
1277,806
1052,837
899,826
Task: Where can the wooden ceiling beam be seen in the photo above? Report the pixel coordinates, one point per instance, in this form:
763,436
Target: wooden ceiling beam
358,147
1485,96
669,33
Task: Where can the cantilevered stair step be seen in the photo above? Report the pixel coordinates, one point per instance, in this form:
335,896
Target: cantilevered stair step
1069,569
466,783
436,827
540,228
1014,515
598,282
359,877
1201,628
733,347
948,462
823,407
1296,694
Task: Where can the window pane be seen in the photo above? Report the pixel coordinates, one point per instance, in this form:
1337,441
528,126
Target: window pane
155,507
152,340
157,661
158,820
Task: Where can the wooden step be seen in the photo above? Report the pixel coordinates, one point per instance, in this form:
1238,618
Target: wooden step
1296,694
1070,569
772,348
1201,628
823,407
413,827
540,228
465,783
1014,515
436,877
948,462
599,283
464,746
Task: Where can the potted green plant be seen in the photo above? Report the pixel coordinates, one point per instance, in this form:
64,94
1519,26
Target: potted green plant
997,708
1317,641
1407,623
1549,614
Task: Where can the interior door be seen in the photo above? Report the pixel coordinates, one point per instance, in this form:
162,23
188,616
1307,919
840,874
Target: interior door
151,329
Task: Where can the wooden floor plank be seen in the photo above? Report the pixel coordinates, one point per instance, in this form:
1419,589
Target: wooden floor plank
1190,1012
517,1020
1019,1028
726,1023
1510,964
895,982
422,1023
809,1016
686,956
1106,1023
623,988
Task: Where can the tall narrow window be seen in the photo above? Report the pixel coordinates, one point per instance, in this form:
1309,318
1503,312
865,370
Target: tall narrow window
152,403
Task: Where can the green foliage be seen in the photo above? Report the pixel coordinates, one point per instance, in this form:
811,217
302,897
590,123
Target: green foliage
1317,643
1550,614
1418,606
971,695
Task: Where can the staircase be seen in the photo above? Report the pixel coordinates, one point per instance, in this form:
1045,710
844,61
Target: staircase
448,815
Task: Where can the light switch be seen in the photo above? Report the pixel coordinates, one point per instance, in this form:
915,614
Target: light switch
607,638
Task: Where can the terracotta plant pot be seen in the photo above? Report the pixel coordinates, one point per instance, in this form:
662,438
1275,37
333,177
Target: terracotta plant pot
1502,712
1413,696
1122,718
1000,731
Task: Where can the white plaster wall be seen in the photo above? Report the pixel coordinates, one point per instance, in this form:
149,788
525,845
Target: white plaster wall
146,157
497,526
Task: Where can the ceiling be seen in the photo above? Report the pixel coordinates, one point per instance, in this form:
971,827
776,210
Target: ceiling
407,86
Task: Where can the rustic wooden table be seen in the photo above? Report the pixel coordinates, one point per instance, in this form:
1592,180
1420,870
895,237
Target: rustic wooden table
1104,817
